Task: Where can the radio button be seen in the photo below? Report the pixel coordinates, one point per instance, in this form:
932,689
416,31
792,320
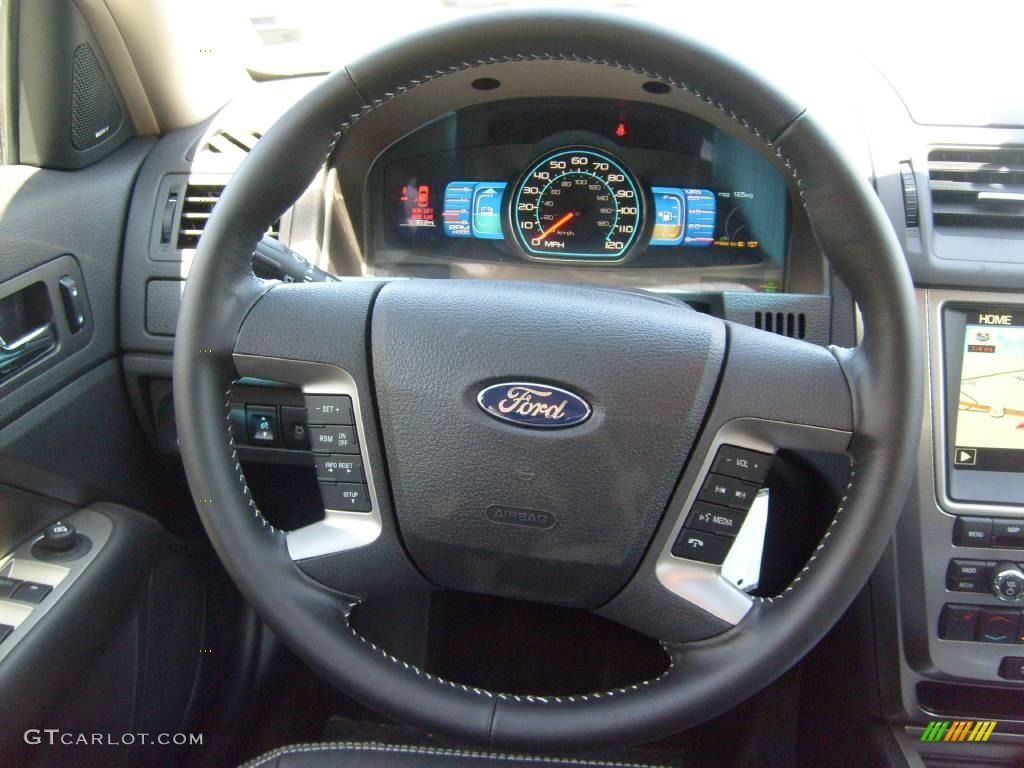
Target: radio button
970,569
968,575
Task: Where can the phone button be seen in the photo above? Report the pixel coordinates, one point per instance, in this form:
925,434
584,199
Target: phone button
698,545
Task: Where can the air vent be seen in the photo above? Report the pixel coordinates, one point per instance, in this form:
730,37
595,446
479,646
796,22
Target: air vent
231,141
198,205
977,186
792,324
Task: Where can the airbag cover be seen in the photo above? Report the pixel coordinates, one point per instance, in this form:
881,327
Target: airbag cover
561,515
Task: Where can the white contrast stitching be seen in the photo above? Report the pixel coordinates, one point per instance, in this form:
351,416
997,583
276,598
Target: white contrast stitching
431,752
338,135
821,544
241,474
505,696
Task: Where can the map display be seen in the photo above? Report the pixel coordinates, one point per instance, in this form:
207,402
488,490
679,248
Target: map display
990,411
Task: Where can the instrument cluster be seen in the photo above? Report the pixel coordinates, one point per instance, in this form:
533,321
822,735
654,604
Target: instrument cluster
579,182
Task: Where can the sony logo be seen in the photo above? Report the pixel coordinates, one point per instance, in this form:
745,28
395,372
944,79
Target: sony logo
995,319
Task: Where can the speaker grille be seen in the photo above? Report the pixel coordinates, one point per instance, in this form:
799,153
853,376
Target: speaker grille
95,113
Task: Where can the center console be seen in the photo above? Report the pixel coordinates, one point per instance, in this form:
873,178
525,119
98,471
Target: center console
960,553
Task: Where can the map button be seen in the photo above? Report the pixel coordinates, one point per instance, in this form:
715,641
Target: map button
1008,533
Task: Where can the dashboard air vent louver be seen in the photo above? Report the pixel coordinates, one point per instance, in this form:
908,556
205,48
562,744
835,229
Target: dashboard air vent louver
231,141
977,186
196,209
792,324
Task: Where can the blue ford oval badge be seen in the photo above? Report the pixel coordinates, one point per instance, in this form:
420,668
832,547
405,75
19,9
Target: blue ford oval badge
533,405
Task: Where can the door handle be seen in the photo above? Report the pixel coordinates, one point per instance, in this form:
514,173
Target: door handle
24,350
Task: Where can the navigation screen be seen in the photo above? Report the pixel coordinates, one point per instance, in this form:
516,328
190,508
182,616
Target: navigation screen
990,408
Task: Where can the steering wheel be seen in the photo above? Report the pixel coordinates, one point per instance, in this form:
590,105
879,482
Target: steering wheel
598,505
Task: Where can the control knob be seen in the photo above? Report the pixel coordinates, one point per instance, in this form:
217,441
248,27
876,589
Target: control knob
59,537
1007,581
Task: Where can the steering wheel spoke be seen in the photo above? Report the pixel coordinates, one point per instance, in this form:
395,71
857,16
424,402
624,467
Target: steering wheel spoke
774,394
313,337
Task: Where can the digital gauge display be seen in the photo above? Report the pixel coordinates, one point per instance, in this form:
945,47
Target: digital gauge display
577,203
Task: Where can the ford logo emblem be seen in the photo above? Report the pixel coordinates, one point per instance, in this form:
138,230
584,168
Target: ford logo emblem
533,405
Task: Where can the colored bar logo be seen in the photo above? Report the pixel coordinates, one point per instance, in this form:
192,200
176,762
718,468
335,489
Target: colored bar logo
959,730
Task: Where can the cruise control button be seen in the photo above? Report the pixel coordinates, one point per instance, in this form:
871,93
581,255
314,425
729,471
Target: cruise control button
998,625
742,463
972,531
8,585
349,497
30,592
329,409
698,545
347,469
1008,533
728,491
958,622
715,519
333,439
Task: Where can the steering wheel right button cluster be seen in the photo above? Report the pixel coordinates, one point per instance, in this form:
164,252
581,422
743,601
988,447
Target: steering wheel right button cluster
725,497
339,463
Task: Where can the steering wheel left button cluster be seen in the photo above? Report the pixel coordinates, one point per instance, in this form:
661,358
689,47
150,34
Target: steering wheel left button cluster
340,468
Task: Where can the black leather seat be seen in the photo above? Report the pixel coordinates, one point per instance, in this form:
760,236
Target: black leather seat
373,755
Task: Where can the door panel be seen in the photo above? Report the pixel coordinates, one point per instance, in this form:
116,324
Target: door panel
45,215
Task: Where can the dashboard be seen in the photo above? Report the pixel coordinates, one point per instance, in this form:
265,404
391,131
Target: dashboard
592,183
613,184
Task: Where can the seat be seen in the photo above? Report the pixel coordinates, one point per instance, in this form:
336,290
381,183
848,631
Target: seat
377,755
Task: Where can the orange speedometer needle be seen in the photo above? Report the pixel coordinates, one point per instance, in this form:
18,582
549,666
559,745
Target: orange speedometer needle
556,225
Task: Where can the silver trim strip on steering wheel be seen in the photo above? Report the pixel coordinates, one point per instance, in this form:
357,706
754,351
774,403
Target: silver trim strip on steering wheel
340,530
702,583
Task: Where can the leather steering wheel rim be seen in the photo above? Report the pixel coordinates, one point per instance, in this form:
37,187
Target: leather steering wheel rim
705,677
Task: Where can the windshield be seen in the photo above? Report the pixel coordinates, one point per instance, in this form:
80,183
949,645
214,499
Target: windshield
944,75
308,36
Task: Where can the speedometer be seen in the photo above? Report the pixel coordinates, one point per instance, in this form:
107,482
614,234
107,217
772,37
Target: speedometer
577,203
